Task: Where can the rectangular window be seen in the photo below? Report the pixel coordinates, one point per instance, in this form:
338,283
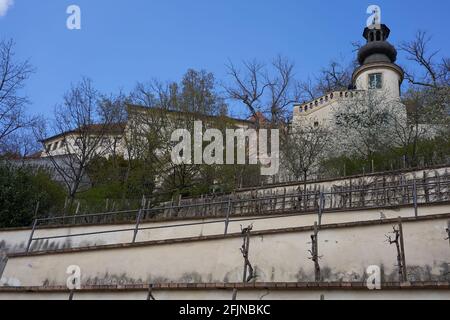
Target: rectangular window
375,81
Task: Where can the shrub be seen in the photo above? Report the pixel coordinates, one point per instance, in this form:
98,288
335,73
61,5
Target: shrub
21,188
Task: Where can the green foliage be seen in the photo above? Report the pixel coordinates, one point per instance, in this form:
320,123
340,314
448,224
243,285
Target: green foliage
117,178
429,152
21,189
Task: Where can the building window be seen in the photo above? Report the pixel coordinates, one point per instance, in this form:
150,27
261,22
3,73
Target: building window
375,81
316,124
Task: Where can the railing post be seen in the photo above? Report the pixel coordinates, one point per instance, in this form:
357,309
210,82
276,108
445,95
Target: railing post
30,240
416,209
138,221
36,210
76,212
227,220
321,206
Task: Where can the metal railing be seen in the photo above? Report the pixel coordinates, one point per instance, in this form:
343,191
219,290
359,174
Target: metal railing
259,208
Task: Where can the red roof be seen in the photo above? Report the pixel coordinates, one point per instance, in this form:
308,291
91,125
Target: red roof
258,117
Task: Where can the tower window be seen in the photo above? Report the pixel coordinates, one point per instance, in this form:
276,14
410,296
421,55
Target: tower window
375,81
378,36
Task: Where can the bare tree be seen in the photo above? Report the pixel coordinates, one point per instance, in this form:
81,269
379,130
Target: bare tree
430,86
86,128
20,144
363,122
335,76
198,94
303,146
421,121
432,72
13,75
308,90
164,108
264,89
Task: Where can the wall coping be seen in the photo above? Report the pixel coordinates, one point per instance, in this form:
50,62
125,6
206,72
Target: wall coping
358,176
295,286
233,217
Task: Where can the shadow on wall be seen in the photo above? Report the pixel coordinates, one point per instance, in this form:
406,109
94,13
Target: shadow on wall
44,245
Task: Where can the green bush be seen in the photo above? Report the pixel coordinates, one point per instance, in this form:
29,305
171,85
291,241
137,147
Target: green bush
21,189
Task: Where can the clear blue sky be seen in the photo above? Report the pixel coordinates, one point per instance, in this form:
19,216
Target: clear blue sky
122,42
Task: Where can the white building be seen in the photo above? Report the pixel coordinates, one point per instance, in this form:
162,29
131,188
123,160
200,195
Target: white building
377,71
107,139
114,139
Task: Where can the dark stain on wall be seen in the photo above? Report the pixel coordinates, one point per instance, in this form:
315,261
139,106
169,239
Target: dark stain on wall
124,279
415,274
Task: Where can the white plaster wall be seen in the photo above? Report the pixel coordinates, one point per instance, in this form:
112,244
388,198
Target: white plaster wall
346,253
106,150
391,81
321,114
327,185
16,240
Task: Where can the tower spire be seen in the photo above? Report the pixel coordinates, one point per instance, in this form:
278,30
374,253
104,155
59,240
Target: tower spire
377,48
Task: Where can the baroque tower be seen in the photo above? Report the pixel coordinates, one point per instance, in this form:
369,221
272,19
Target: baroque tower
377,70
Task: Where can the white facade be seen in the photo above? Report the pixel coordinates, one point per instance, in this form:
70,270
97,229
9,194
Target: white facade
69,144
391,75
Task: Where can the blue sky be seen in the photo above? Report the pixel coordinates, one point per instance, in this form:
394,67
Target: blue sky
122,42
